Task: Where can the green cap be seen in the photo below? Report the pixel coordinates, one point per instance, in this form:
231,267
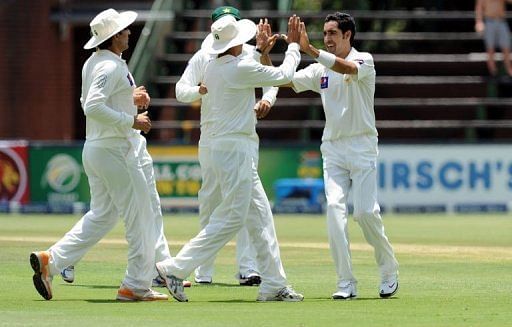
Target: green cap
225,10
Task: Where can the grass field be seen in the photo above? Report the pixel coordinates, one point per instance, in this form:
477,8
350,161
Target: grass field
454,271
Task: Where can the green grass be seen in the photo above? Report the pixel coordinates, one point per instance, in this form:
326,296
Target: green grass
454,271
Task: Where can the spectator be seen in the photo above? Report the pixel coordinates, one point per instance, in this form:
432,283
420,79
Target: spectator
490,20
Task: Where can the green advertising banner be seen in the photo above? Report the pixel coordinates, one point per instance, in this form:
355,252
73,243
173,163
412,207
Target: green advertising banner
177,174
57,175
277,163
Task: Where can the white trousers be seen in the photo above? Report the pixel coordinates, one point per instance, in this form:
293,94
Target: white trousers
118,188
350,166
146,162
209,198
234,162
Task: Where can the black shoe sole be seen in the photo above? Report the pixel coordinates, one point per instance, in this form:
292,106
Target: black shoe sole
38,281
385,296
344,298
252,281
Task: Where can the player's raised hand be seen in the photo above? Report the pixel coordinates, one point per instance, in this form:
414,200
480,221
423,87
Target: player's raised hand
304,38
265,40
293,35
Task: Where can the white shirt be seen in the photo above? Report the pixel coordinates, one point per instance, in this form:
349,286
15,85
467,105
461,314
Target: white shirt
228,107
187,89
107,97
347,99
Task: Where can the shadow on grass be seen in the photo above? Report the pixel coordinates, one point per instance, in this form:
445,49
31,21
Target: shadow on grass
220,285
93,286
103,301
364,299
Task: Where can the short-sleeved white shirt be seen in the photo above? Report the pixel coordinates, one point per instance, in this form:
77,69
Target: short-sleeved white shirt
348,100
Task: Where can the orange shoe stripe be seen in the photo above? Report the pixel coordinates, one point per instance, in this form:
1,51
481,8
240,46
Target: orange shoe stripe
126,293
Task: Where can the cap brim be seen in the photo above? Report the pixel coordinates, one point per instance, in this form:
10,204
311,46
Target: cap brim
126,19
247,30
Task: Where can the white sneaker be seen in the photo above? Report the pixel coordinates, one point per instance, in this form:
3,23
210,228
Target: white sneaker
203,279
346,291
42,278
286,294
250,279
388,288
159,282
126,294
173,284
68,274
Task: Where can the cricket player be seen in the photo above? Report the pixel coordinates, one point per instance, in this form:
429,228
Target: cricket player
229,122
189,89
141,99
345,80
113,163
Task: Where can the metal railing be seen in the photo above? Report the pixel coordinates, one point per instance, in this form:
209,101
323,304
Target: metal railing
141,63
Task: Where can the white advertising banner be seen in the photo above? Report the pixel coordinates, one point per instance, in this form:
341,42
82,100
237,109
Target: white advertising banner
445,177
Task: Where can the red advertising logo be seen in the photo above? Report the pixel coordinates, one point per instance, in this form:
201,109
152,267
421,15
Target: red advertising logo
13,174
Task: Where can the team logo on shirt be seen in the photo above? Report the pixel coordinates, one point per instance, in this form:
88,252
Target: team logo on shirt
101,81
130,79
324,82
359,61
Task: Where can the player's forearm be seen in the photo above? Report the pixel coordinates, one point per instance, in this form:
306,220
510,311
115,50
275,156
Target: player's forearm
331,61
187,93
100,112
290,62
270,94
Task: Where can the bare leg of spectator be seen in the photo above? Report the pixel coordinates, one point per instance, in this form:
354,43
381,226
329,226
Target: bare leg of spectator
491,65
506,61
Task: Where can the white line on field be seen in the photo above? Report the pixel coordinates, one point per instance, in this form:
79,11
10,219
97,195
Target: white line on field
493,252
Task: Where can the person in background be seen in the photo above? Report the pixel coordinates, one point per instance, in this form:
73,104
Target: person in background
490,20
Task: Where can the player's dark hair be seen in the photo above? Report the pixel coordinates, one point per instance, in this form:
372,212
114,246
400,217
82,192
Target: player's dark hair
345,23
105,44
108,43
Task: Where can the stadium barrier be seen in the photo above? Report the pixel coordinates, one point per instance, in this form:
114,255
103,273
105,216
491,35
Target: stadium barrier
430,178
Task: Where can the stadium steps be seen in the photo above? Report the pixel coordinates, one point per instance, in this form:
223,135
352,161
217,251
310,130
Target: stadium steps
431,80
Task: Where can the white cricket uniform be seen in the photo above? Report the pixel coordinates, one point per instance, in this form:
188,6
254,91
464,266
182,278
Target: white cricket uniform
117,181
146,163
229,123
187,90
349,153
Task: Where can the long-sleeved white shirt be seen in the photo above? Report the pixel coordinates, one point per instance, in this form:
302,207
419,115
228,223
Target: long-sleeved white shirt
107,97
348,100
187,89
228,107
